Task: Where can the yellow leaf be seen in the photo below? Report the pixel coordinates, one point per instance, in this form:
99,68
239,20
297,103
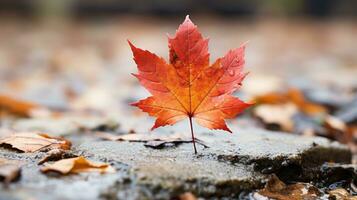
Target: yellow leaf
294,96
11,106
77,165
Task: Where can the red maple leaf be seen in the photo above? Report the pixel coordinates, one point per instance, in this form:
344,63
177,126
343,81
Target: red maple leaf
189,86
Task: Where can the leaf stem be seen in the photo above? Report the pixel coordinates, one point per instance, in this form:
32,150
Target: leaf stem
193,136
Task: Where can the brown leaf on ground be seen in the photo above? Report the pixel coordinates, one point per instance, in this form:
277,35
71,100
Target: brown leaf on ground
277,117
187,196
341,194
151,140
337,129
271,98
29,142
294,96
56,154
278,190
309,108
11,106
10,170
77,165
335,124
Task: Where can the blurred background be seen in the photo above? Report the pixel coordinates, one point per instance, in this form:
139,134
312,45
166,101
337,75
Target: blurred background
95,8
65,70
72,55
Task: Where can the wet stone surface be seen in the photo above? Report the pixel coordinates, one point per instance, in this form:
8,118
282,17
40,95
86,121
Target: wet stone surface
233,163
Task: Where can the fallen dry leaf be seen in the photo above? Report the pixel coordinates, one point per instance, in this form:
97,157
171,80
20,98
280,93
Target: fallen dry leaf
151,140
309,108
276,117
77,165
31,141
294,96
278,190
11,106
10,170
271,98
337,129
341,194
161,144
335,124
56,154
187,196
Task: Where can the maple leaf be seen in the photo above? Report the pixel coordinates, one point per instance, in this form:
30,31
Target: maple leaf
189,86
